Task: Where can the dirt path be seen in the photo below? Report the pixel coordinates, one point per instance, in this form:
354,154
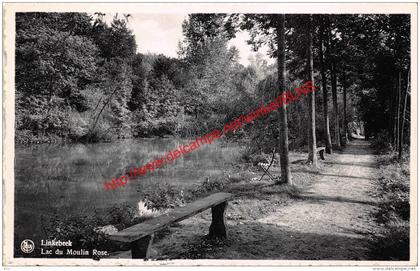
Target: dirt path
330,220
333,218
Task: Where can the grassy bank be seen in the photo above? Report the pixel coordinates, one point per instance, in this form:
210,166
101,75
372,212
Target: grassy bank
393,215
254,198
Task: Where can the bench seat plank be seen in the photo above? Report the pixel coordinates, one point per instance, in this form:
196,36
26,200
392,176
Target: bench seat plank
150,226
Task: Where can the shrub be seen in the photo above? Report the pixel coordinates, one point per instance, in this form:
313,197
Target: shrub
213,183
381,142
392,241
164,196
393,189
120,216
82,229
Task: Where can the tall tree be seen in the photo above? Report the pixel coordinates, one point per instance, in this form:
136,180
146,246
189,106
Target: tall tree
333,71
312,158
345,124
344,83
401,136
55,63
327,134
210,65
394,113
117,46
335,104
398,110
281,71
269,29
378,67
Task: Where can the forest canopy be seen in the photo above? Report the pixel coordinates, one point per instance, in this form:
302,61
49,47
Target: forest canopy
79,78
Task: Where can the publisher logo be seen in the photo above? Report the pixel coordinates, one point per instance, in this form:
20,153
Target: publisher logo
27,246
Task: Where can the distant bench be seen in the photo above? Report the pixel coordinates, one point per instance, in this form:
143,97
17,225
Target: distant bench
141,235
321,151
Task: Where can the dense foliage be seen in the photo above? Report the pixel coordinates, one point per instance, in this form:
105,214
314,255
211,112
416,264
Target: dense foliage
79,78
392,242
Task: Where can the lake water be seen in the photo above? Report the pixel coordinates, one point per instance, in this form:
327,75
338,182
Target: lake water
70,179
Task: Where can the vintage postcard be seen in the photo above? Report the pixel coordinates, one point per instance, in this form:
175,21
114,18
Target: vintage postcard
210,134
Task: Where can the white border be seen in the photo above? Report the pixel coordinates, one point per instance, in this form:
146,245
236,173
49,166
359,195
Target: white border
9,10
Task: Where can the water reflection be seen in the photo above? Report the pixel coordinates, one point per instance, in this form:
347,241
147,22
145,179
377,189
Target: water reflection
70,178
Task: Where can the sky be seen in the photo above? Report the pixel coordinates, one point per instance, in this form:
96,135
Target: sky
160,34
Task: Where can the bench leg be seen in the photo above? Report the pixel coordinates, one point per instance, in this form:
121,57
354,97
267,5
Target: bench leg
321,153
217,227
140,248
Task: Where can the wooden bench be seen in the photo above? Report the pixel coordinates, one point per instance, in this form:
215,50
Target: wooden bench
141,235
321,151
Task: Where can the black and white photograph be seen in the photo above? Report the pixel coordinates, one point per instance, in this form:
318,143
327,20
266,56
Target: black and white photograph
179,133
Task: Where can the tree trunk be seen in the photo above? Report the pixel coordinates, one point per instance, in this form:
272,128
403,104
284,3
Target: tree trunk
333,69
394,114
345,126
398,110
400,145
312,159
281,71
102,109
335,105
327,134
